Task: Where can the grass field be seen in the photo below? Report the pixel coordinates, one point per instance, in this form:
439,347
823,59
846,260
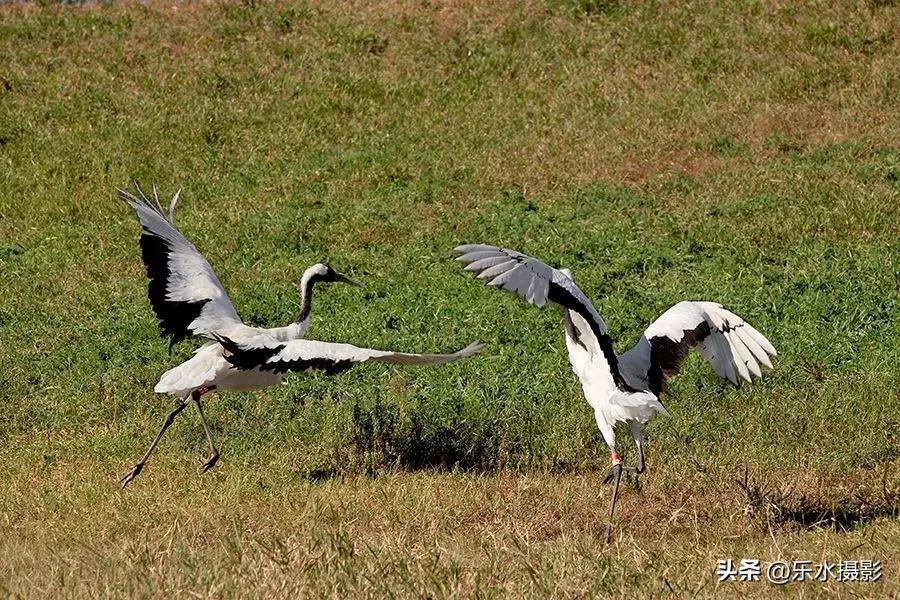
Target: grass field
742,152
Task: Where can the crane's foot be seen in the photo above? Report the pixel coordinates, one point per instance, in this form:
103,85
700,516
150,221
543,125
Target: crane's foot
209,464
611,476
131,475
609,533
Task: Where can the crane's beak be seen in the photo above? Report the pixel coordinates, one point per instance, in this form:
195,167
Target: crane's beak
344,279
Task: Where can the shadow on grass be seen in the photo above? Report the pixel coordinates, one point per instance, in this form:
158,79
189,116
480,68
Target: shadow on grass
416,440
776,507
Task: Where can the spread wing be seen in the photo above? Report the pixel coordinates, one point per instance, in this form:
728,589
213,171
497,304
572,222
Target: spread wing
305,355
731,345
533,280
538,283
185,293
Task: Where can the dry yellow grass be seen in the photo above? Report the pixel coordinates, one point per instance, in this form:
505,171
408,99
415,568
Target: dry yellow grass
255,532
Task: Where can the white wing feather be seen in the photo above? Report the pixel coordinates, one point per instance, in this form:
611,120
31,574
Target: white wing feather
303,355
735,349
526,276
181,279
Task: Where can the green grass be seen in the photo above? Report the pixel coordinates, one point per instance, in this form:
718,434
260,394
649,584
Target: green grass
739,152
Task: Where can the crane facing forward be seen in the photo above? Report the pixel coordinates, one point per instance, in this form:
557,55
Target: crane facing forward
189,299
625,388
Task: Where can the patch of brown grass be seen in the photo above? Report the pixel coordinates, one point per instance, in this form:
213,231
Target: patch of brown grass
233,533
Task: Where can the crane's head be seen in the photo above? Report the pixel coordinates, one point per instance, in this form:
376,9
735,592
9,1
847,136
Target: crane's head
323,273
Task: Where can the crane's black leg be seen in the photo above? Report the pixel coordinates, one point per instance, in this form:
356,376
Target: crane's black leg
638,436
615,473
617,476
213,453
136,469
641,466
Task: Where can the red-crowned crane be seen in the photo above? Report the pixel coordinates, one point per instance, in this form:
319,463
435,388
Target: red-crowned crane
188,299
625,388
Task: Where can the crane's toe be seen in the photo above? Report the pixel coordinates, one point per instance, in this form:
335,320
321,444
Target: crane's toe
131,475
611,476
209,464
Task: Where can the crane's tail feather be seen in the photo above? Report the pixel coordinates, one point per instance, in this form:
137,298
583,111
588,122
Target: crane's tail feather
639,400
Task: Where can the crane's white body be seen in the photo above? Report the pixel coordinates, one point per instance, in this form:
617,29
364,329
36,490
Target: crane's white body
611,405
209,369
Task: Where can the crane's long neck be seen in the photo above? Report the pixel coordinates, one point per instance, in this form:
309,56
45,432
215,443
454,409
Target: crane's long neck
306,290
